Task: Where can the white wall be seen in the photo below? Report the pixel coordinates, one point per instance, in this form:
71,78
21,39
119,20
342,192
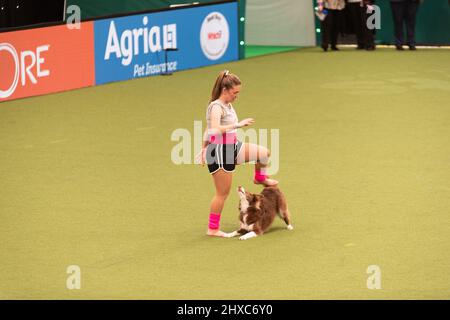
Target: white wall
280,23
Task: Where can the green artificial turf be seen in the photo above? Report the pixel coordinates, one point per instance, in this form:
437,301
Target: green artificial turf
254,51
86,179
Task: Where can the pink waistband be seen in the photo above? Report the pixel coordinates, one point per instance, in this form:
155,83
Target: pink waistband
225,138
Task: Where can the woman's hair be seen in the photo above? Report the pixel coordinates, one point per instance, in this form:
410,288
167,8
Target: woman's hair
226,80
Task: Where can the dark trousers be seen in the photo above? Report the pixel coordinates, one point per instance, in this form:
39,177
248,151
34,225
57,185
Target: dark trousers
330,27
368,34
356,14
404,12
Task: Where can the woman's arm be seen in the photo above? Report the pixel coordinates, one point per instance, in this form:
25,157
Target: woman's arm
205,139
216,128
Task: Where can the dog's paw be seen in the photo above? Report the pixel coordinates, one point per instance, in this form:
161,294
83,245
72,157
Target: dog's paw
290,227
231,234
248,235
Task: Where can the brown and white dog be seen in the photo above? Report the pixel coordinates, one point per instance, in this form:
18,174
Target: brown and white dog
257,212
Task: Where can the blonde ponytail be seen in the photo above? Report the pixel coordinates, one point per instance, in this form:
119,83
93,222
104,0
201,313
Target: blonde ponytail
226,80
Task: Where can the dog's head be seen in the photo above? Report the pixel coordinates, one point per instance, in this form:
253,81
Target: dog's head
249,205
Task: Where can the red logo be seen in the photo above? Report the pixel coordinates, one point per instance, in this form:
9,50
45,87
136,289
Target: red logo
214,35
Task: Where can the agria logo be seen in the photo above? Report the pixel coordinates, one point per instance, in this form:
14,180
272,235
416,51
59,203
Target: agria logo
20,66
214,35
133,42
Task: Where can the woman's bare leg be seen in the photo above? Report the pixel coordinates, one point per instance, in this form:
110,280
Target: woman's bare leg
260,154
222,181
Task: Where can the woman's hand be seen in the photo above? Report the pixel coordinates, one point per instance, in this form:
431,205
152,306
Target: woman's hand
200,157
246,122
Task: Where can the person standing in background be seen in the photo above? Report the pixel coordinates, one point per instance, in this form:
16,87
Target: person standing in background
359,12
369,34
355,11
404,11
331,24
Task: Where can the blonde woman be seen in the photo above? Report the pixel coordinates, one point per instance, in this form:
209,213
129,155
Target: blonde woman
221,149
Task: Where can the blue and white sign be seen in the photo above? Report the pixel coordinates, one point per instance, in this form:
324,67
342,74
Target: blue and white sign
134,46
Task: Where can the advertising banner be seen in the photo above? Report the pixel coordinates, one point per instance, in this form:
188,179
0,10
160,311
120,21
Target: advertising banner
135,46
58,58
45,60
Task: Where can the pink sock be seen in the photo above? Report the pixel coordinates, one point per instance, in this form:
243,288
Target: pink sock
214,220
260,175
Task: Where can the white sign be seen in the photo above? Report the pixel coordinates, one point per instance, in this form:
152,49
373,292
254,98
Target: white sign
214,35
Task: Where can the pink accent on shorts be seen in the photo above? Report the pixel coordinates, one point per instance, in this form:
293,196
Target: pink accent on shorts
260,175
214,220
225,138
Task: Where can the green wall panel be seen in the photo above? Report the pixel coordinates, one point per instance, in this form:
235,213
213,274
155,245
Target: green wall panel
98,8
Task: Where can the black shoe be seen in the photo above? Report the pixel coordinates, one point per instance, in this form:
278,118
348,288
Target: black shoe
325,48
370,48
334,48
412,48
399,48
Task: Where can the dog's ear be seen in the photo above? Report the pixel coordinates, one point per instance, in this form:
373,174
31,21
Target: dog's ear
257,197
256,201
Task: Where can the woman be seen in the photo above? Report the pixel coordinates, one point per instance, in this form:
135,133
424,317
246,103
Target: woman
221,149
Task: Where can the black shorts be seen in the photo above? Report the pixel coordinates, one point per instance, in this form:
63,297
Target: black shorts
222,156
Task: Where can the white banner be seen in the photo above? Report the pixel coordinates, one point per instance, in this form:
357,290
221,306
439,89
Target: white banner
280,23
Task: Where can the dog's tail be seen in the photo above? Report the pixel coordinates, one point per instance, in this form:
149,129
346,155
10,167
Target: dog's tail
283,210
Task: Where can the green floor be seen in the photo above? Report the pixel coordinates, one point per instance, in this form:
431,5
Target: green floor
87,179
254,51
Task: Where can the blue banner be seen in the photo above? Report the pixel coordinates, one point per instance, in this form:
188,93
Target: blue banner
135,46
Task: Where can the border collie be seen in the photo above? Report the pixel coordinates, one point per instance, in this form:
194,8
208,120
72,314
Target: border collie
257,211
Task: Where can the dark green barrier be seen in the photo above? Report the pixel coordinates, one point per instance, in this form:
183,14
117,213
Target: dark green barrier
95,9
432,24
241,25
